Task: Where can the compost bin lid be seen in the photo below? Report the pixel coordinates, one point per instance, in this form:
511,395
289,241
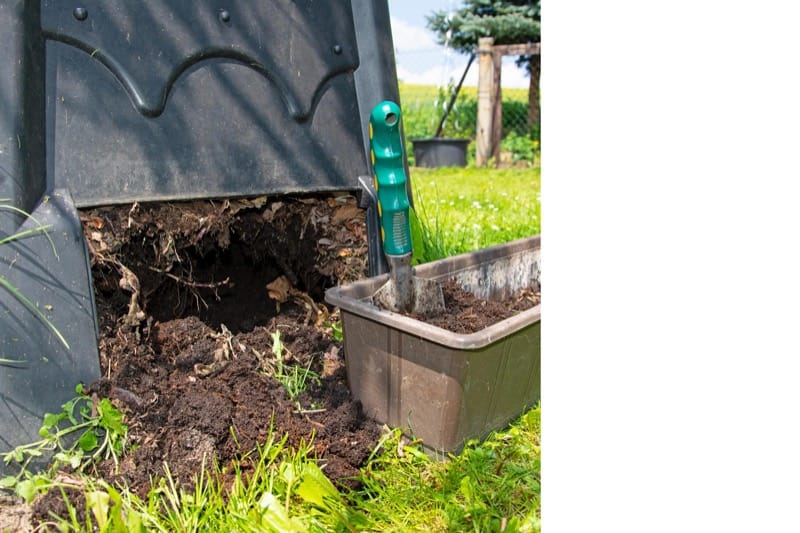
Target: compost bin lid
163,100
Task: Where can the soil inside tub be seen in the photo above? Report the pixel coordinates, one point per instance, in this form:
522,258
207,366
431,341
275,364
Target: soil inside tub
190,296
466,313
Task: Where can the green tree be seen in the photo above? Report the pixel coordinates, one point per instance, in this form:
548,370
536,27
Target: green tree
507,21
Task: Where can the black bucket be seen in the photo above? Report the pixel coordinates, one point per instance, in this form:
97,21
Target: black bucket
436,152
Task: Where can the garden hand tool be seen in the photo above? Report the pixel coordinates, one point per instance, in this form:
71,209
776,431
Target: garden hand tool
404,292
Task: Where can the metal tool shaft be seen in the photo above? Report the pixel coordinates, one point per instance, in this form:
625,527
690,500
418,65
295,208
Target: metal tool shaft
400,268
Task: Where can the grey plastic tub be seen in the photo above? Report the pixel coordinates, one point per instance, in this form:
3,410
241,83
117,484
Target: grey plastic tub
439,152
442,387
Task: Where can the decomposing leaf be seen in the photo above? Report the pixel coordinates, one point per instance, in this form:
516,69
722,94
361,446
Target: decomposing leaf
93,222
234,206
269,213
346,212
128,282
280,289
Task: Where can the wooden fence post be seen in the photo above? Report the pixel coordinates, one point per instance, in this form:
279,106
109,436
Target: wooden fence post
483,148
497,104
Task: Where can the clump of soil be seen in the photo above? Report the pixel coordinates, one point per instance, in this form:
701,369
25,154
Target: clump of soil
183,386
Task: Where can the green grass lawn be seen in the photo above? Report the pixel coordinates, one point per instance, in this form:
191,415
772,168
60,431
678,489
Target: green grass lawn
466,209
492,485
412,93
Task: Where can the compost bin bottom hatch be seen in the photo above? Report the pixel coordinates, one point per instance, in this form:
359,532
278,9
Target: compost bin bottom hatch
192,337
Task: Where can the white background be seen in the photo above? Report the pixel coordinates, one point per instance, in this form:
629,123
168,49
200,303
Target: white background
671,257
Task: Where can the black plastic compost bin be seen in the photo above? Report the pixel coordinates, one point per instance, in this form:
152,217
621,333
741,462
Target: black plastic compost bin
105,102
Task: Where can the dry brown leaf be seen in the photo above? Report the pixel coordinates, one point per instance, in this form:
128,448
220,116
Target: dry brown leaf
237,205
280,289
346,212
259,201
270,212
95,222
128,282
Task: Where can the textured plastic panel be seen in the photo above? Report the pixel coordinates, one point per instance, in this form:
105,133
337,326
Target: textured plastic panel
46,371
164,100
447,387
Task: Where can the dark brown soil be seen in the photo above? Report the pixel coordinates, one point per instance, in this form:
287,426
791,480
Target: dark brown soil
189,295
465,313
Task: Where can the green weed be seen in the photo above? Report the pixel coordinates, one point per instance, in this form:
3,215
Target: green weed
294,378
430,237
522,147
84,431
336,329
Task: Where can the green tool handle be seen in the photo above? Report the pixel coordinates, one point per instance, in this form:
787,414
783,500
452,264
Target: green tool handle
386,152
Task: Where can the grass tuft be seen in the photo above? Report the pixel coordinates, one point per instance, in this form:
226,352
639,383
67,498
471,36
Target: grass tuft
489,486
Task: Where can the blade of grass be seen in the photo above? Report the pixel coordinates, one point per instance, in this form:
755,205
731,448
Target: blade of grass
41,228
32,307
13,362
22,234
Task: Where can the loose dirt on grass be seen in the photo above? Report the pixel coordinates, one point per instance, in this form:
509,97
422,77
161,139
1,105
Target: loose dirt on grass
191,297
